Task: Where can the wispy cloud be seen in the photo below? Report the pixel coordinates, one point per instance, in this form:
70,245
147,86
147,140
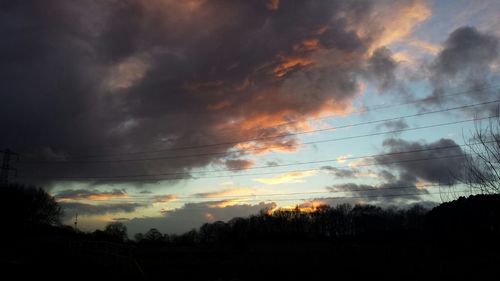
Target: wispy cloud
349,172
225,183
223,203
226,193
292,177
164,198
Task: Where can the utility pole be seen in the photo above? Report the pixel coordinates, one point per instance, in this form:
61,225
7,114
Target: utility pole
5,169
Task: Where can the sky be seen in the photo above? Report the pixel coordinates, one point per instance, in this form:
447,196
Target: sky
168,114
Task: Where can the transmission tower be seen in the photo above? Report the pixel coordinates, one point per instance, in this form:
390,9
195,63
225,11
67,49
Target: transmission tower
6,167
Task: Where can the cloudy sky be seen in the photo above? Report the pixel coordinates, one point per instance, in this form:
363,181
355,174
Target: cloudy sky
168,114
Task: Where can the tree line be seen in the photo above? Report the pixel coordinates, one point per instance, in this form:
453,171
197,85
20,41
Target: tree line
30,208
475,215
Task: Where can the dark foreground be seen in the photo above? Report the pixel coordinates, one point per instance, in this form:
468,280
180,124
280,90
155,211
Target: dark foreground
382,259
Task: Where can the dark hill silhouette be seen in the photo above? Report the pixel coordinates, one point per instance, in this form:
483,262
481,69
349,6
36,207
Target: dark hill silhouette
477,216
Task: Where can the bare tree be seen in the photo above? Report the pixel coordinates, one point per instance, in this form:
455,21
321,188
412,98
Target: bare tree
482,165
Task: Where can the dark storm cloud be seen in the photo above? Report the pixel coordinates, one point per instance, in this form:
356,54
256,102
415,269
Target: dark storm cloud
466,60
466,51
387,176
400,183
90,194
110,77
441,166
398,202
394,189
193,215
99,209
439,162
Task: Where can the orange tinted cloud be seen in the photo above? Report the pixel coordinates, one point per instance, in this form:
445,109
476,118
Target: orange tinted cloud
126,73
307,45
273,5
311,206
308,206
272,129
262,147
288,64
239,164
223,203
292,177
398,18
226,193
271,119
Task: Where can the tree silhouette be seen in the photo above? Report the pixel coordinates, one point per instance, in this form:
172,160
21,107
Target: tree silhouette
138,237
25,206
153,235
117,230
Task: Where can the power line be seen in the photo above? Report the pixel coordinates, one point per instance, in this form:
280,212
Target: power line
364,196
296,133
222,197
323,192
364,110
324,198
322,130
156,177
208,203
309,162
386,106
252,149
